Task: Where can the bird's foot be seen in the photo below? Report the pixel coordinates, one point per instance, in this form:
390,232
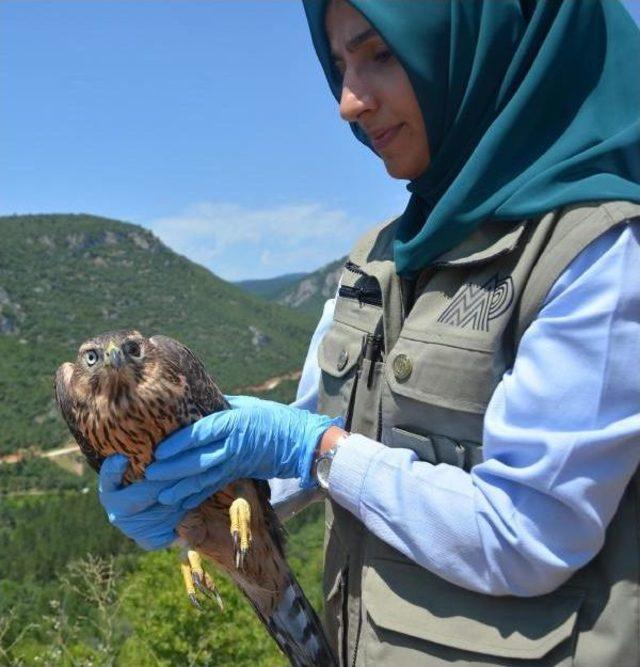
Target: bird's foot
240,515
197,580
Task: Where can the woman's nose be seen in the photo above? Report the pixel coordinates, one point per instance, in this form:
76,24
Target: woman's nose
354,101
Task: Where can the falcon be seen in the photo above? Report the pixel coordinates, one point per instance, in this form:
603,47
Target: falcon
124,394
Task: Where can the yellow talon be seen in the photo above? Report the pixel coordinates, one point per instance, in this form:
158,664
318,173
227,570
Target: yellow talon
240,515
185,568
195,562
195,577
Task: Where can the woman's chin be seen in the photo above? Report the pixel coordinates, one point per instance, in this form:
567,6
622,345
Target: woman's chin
401,170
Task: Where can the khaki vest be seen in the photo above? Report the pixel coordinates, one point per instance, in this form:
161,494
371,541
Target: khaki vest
422,378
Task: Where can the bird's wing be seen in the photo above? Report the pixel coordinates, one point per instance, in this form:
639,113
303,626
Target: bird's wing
67,406
209,398
204,391
274,525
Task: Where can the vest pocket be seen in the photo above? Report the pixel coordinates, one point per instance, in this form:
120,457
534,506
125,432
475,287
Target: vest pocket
412,614
444,375
338,356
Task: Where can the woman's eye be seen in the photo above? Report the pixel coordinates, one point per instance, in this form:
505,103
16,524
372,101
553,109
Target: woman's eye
383,56
338,68
132,349
91,357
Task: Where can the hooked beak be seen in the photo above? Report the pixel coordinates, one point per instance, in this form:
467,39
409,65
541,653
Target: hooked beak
113,355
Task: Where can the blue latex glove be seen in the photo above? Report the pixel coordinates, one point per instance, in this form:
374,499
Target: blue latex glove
257,439
134,509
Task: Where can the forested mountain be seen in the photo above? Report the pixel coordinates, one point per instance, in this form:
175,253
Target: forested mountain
306,294
64,278
270,288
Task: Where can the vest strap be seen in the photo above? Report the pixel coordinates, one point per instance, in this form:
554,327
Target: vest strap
436,449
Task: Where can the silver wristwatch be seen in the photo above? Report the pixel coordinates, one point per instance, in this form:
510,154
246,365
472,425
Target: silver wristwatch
324,462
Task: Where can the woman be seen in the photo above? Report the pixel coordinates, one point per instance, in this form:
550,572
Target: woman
484,349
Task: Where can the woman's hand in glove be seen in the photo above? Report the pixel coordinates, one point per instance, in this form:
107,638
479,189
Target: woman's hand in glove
134,509
256,439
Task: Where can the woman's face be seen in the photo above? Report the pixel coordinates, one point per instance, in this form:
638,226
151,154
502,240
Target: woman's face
376,92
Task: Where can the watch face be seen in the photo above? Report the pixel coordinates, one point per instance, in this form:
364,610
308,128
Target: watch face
322,471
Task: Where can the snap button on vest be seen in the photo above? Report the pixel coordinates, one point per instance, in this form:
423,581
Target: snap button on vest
343,357
402,367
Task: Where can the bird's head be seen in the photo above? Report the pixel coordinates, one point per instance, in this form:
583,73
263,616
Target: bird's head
113,355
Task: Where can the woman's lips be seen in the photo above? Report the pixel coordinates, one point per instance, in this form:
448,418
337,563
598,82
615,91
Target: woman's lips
380,140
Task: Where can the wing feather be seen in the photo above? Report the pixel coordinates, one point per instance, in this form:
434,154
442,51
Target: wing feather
204,391
68,408
209,398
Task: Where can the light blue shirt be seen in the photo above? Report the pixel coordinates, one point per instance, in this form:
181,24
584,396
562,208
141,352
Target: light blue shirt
561,442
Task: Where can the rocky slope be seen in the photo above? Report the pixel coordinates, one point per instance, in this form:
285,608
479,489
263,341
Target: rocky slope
306,294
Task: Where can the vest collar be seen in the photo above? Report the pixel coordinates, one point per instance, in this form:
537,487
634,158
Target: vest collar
491,240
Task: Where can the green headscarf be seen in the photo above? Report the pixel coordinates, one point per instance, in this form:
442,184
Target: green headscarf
529,105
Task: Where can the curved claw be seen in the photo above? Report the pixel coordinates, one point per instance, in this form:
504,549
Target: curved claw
194,601
237,552
207,588
197,580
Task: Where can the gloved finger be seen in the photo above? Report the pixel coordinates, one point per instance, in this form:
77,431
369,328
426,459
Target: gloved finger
111,471
212,481
244,401
154,521
191,502
187,464
205,431
132,499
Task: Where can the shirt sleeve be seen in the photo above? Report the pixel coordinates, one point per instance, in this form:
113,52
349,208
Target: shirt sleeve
306,397
307,394
561,442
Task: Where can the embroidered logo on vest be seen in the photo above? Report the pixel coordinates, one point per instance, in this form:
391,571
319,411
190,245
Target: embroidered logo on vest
477,305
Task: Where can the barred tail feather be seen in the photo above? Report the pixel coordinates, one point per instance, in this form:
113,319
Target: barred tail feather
285,610
296,628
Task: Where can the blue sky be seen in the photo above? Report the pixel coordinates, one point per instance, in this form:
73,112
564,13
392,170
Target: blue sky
208,121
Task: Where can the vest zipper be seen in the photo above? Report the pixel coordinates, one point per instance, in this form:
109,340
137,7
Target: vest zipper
367,295
344,603
354,268
358,633
363,295
373,345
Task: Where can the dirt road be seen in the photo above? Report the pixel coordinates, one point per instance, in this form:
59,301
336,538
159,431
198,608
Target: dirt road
267,385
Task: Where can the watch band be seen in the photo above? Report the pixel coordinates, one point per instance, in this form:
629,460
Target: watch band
325,460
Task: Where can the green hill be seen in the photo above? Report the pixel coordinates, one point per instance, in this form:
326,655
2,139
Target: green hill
270,288
65,278
305,294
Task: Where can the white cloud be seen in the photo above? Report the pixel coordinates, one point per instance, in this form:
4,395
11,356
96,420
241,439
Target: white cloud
238,242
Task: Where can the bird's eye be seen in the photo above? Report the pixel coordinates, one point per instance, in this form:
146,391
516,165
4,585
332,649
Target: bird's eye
90,357
132,348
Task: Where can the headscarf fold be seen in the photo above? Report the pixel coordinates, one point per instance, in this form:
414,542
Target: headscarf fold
529,106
